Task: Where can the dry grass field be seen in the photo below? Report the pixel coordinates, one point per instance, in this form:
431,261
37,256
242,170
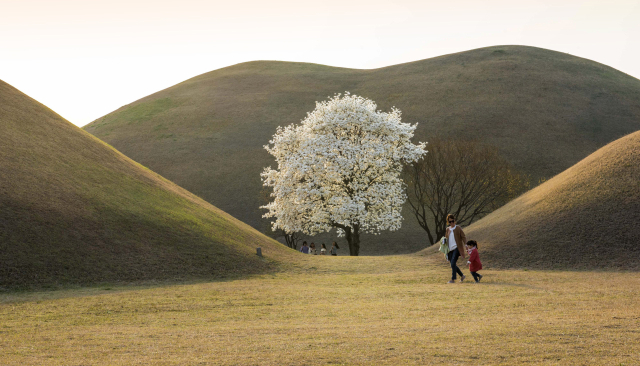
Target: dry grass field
395,310
544,110
75,210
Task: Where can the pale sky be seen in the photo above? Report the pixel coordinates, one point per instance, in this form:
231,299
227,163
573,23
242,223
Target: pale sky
86,58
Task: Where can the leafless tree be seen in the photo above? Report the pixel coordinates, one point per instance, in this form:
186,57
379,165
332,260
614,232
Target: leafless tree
291,239
466,178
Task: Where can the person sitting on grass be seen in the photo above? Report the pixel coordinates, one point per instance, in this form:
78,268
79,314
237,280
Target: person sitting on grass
305,248
323,250
312,249
474,260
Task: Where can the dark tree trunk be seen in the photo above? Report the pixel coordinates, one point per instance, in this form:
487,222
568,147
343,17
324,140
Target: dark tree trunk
353,238
290,240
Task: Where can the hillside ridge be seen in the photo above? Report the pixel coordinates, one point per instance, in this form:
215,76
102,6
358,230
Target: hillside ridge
544,110
584,218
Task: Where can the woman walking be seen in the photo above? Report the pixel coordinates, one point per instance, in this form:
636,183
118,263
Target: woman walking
457,247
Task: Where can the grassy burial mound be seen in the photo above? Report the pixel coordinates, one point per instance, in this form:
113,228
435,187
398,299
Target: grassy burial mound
75,210
586,217
545,110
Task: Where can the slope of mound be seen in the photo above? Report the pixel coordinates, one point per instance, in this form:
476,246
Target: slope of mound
545,110
74,210
586,217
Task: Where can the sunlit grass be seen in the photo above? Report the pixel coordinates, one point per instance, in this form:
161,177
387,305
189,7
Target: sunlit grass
328,310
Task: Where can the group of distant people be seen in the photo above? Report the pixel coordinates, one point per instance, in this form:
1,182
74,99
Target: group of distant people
457,247
311,249
455,239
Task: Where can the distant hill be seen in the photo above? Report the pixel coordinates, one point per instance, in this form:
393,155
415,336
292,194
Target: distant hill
545,111
587,217
73,210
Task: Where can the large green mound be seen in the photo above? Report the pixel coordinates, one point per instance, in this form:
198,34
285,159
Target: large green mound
586,217
545,110
75,210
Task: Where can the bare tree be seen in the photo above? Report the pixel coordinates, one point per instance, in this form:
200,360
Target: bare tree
291,239
466,178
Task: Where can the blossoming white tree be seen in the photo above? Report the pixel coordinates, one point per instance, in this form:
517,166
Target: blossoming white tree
340,168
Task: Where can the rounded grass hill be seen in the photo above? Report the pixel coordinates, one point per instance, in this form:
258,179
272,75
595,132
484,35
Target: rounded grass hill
587,217
73,210
544,110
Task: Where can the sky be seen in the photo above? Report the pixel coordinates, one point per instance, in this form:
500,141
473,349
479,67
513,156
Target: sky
84,59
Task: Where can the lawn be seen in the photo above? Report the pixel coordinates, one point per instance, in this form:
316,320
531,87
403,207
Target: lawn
334,310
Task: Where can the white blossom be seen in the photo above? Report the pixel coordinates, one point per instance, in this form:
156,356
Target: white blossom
340,168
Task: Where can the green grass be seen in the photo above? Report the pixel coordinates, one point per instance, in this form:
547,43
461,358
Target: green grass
146,111
334,310
544,110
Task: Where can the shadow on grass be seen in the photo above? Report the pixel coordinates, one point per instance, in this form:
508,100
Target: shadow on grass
62,291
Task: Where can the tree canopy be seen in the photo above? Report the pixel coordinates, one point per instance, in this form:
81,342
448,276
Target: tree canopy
340,168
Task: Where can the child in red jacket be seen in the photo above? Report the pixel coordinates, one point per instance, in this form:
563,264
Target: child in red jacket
474,260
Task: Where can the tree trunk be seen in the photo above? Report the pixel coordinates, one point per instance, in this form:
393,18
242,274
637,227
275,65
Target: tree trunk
353,238
291,242
292,239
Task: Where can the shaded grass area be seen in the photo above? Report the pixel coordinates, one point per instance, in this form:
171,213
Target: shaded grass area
73,210
328,310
